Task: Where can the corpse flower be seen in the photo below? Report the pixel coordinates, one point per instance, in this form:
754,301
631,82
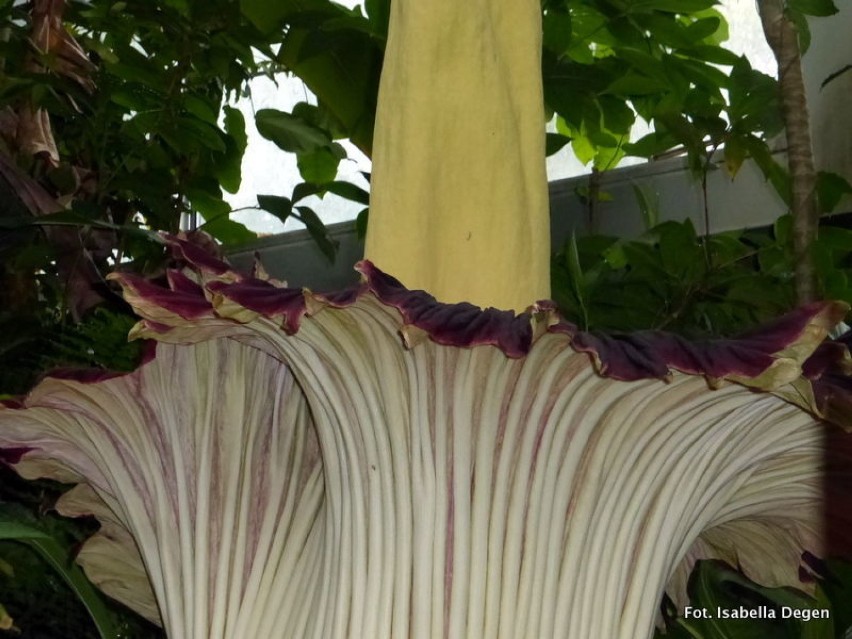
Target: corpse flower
376,463
283,466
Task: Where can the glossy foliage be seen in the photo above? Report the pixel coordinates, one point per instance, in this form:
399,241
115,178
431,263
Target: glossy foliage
672,279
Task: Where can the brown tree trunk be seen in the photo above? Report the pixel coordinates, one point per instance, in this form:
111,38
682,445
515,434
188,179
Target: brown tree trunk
782,36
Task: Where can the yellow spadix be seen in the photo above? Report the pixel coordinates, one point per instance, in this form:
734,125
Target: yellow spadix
459,196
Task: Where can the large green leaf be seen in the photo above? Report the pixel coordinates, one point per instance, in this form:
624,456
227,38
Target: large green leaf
736,152
576,279
557,31
680,251
318,231
13,527
726,604
342,69
229,169
348,191
229,232
777,175
279,206
754,100
820,8
291,133
833,76
270,16
673,6
235,126
831,188
554,142
320,165
378,12
74,218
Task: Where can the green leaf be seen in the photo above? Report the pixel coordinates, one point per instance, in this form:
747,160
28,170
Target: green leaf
668,29
803,29
618,118
135,98
305,189
378,12
588,24
269,16
229,169
320,165
73,218
722,34
645,63
649,205
575,276
772,171
632,83
713,54
554,142
343,72
216,212
679,249
583,148
208,204
320,117
838,589
348,191
202,109
735,154
289,132
607,157
361,223
831,188
754,100
235,126
278,205
833,76
704,28
205,134
614,255
716,586
228,231
556,25
14,529
182,6
782,229
318,231
672,6
820,8
650,145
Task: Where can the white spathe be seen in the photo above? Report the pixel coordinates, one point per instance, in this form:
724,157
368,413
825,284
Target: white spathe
332,484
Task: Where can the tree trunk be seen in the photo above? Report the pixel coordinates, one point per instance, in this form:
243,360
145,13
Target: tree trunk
783,39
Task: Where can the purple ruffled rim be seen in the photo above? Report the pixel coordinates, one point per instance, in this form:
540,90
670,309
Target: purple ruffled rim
625,357
644,354
11,456
828,370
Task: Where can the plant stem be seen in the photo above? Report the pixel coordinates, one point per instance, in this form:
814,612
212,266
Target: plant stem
782,37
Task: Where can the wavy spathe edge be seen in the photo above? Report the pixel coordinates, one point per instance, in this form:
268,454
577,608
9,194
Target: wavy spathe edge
790,356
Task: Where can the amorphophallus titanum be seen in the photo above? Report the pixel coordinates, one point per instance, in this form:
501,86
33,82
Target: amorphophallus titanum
377,464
